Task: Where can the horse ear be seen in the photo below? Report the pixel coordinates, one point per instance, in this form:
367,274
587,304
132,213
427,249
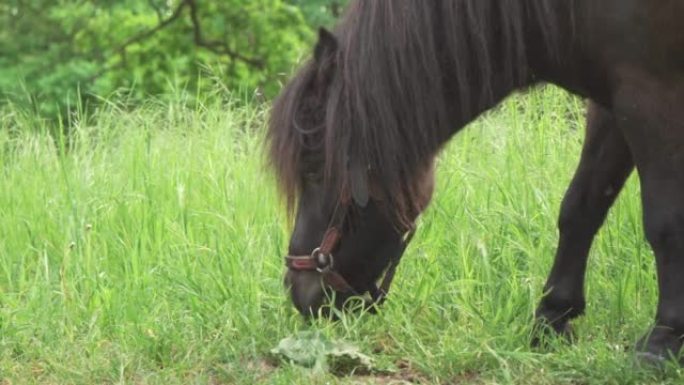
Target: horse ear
326,46
358,178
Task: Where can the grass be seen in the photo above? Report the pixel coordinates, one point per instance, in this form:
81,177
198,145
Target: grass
146,249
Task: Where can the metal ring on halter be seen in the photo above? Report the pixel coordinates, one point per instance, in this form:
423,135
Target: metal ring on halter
324,262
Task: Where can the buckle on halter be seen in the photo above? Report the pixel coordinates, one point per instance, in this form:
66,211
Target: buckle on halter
324,262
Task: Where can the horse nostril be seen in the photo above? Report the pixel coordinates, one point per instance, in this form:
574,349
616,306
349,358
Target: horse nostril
306,290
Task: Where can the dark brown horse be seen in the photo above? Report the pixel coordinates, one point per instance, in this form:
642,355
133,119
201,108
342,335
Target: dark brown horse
354,135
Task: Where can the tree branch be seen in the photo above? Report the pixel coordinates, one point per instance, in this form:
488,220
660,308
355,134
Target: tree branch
144,35
216,46
121,49
157,10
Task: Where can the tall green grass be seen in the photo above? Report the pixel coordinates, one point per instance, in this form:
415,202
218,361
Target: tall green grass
145,248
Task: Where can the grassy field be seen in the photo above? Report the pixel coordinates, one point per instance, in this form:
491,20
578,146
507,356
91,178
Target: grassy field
147,249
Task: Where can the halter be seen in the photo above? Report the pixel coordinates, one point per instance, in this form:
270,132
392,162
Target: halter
321,260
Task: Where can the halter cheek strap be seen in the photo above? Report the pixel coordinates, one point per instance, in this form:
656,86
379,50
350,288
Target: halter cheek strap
322,261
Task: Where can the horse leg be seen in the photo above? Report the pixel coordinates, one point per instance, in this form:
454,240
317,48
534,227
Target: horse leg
604,166
650,114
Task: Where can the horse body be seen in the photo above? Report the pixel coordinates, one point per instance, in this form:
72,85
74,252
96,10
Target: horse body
369,113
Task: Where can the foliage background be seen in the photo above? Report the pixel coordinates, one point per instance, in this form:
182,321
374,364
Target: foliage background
58,54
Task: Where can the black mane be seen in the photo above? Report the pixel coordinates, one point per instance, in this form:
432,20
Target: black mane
406,75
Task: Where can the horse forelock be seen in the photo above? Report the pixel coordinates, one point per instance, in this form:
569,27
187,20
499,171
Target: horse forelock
284,140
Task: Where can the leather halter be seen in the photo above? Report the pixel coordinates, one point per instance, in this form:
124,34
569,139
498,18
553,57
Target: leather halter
321,260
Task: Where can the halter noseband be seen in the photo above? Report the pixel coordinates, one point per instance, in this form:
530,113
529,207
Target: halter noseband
321,260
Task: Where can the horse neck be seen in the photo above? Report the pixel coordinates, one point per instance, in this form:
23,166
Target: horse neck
508,70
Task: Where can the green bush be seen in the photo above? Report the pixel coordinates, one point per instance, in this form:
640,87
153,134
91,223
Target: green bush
58,54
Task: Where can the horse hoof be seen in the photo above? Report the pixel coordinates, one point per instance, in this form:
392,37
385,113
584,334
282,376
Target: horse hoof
660,347
545,333
651,360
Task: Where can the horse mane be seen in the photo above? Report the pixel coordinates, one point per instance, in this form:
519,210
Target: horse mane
389,106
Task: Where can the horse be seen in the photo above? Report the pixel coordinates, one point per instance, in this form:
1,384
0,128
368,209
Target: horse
354,134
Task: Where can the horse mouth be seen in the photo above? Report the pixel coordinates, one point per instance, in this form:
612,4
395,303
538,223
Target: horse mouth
306,291
314,299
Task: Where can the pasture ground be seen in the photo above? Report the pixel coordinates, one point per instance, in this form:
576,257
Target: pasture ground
145,249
